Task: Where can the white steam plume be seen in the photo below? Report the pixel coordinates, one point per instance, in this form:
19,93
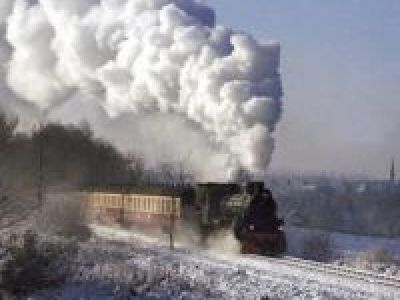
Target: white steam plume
150,57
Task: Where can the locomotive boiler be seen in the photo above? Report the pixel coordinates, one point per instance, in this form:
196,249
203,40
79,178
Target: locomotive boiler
248,210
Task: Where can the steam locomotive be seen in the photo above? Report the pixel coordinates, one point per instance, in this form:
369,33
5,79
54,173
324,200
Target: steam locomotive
206,207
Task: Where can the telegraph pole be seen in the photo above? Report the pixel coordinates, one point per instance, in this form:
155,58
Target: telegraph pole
172,223
40,188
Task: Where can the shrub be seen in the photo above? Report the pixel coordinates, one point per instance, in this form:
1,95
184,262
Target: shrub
65,216
376,256
30,266
318,247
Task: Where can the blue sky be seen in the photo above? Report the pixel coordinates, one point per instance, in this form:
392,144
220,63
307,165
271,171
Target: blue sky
341,74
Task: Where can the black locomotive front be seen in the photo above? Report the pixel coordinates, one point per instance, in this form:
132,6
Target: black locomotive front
258,228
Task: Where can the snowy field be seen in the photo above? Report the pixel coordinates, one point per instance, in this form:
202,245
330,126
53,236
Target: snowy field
118,264
343,243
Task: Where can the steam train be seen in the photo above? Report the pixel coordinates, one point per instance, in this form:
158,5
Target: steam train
204,207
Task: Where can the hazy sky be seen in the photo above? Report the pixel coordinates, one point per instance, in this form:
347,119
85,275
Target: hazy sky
341,75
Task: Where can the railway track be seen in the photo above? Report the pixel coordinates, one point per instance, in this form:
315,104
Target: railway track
342,271
364,276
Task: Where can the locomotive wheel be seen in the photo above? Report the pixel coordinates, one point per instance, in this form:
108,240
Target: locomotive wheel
248,247
267,244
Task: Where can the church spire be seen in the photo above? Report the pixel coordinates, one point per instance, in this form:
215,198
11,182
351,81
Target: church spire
392,172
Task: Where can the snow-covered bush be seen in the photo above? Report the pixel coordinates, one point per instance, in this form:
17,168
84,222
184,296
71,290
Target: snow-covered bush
377,256
378,259
65,216
318,247
31,266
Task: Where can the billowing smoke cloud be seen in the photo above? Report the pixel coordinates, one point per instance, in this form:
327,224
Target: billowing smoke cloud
150,57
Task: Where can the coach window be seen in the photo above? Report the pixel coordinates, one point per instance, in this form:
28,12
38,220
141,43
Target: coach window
178,203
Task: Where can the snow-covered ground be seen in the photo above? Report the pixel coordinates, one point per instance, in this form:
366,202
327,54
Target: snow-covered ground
120,264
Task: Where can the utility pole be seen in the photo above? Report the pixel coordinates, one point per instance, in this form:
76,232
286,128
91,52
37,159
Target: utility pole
40,189
172,222
122,210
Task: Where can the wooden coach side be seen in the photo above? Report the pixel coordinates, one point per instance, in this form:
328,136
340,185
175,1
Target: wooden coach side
160,205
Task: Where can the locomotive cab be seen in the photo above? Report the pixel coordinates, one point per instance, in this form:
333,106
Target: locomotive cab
212,206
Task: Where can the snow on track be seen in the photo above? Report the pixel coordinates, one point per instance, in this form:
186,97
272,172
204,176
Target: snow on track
253,277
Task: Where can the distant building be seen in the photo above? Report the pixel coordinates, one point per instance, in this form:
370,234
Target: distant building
309,187
361,188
